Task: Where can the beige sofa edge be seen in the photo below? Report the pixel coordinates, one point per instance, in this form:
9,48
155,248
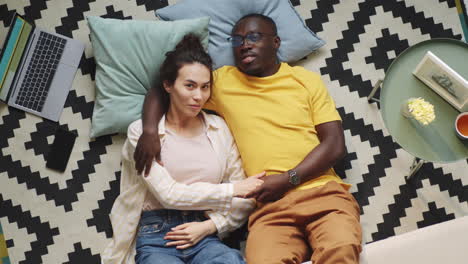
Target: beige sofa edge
446,242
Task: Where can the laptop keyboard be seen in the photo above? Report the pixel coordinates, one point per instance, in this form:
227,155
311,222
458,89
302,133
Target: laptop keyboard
41,69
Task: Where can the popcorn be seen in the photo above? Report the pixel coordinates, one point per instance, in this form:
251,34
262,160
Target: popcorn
420,110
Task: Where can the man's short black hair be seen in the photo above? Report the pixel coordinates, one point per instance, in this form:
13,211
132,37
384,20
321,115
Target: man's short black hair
260,16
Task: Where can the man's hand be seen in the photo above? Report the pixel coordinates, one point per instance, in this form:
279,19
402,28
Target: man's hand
148,149
272,189
245,187
189,234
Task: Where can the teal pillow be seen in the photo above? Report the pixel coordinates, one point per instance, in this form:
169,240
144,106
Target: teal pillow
128,55
297,40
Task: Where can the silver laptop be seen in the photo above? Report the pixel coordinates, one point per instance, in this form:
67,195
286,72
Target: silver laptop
37,69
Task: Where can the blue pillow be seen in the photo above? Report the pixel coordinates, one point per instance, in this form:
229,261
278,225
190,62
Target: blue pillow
297,40
128,56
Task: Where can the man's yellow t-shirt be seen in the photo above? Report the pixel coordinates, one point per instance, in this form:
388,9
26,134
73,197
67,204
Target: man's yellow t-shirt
273,118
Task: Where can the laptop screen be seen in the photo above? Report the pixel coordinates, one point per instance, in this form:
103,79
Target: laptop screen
13,49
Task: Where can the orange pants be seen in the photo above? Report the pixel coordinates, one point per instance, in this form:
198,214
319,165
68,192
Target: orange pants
324,218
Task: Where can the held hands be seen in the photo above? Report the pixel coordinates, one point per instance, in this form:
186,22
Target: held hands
189,234
272,189
243,188
148,148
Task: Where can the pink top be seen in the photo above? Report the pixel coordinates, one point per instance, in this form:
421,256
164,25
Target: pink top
188,160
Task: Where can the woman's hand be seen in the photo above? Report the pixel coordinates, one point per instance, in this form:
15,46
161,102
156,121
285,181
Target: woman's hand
243,188
189,234
148,149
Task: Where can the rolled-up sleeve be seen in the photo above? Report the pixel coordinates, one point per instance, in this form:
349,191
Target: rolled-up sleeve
234,218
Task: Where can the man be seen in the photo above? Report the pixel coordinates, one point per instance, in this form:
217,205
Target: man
285,123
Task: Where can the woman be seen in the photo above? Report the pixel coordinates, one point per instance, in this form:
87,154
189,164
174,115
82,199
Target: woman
173,213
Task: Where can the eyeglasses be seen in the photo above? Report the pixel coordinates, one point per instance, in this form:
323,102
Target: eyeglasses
254,37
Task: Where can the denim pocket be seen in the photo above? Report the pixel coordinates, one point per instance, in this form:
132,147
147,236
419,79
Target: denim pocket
151,227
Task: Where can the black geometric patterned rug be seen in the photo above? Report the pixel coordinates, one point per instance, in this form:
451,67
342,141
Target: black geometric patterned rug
50,217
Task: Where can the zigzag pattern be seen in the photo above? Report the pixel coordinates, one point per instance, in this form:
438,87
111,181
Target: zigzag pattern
79,104
61,197
81,255
101,215
42,230
152,5
75,14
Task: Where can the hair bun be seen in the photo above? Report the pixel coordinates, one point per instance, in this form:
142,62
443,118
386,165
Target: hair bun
189,42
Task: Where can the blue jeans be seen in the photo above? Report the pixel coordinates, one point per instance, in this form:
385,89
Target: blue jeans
150,243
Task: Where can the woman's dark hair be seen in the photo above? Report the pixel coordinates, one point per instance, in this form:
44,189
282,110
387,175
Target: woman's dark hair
188,51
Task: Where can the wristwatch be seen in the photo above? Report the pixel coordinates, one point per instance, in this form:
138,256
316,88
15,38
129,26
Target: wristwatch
294,178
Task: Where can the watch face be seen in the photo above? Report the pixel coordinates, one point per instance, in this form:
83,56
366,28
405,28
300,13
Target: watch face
294,180
293,177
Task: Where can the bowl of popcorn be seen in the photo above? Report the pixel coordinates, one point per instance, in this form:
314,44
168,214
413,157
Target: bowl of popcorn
419,110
